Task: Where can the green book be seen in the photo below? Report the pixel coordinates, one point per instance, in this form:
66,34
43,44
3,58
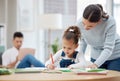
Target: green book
96,70
89,71
4,71
64,69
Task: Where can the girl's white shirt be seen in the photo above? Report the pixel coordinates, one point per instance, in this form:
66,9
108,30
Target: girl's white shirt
80,61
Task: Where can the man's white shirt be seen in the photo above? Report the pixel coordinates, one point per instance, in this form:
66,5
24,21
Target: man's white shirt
9,56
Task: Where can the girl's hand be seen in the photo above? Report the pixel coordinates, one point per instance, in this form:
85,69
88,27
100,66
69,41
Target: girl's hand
93,66
51,66
70,67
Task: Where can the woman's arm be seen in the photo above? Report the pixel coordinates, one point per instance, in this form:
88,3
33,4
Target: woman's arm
109,43
83,46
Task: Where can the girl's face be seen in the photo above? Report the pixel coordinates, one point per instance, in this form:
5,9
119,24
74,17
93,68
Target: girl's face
69,47
89,25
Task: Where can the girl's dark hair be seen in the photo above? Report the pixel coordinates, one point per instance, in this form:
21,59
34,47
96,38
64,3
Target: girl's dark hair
17,34
73,32
94,13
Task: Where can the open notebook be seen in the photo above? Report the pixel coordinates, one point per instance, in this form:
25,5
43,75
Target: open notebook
89,71
29,70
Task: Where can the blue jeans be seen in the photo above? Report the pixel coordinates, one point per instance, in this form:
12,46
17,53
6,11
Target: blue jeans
29,60
110,65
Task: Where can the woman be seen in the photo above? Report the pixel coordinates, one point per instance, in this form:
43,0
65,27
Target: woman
99,31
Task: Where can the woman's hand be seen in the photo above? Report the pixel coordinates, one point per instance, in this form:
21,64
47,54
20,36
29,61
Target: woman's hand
93,66
50,66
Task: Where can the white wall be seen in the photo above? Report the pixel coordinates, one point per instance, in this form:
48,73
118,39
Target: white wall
11,20
2,11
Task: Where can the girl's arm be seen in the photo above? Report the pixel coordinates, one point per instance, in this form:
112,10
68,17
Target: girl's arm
80,62
55,59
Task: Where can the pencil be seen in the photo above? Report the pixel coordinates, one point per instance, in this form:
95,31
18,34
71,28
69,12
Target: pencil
51,56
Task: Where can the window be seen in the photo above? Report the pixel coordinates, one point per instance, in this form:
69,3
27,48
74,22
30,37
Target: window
116,14
68,9
25,15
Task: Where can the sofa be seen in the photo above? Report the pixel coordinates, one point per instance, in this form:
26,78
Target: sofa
1,58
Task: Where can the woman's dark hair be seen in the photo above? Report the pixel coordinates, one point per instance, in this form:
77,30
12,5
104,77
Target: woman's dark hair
94,13
17,34
73,32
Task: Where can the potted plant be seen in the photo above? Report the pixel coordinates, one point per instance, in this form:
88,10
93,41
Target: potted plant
55,46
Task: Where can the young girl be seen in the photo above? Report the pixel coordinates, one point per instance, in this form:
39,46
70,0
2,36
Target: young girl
68,56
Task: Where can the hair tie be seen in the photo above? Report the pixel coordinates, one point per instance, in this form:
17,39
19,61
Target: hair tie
71,30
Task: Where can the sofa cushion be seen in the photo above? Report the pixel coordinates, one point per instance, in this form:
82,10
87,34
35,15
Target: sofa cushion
1,58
